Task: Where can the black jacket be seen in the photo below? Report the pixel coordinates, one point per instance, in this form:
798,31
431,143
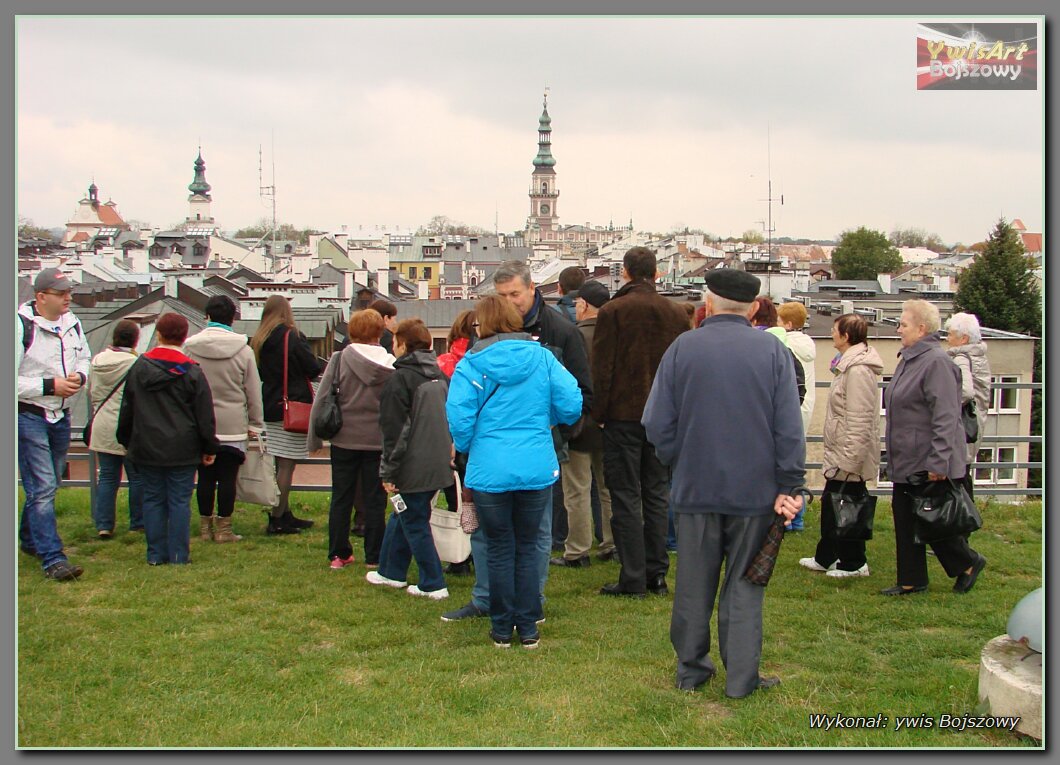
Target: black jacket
302,366
557,333
166,417
416,440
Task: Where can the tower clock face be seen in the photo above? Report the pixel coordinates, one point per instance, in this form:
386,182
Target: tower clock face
544,209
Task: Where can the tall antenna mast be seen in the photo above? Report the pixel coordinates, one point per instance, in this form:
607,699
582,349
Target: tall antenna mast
269,193
769,195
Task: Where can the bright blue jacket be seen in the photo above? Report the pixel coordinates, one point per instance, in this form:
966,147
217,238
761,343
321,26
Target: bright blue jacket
505,395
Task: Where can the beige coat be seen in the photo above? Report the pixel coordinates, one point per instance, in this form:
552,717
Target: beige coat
852,418
975,384
232,372
108,368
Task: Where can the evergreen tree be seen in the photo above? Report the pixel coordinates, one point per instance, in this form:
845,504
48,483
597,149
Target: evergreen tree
864,254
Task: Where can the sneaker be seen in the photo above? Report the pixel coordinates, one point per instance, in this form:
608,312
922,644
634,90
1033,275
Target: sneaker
469,611
63,571
813,565
340,563
530,643
441,594
500,642
105,534
540,621
839,573
374,577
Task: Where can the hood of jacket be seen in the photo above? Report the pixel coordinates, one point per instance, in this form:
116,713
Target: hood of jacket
163,367
109,365
862,354
372,364
424,363
802,346
779,333
216,343
968,349
508,358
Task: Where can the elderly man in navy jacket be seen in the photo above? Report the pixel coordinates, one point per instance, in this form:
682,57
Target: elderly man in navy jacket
724,414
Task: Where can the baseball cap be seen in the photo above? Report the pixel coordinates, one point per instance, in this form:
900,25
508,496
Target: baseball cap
51,279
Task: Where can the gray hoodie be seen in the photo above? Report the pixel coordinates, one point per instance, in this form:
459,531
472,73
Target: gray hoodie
232,372
362,371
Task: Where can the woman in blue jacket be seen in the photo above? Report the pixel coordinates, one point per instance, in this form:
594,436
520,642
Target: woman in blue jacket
504,398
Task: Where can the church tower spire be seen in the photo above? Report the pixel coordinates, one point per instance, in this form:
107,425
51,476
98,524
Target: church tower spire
199,184
542,224
199,217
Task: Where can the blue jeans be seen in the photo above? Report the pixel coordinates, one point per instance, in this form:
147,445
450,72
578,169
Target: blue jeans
671,532
512,524
408,536
167,511
480,592
110,467
42,448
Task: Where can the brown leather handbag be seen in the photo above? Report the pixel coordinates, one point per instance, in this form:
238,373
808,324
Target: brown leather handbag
295,413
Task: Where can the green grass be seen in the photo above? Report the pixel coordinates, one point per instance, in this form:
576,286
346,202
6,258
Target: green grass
259,644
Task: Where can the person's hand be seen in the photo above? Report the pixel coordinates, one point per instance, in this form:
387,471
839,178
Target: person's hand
74,377
936,476
389,488
208,459
65,387
787,505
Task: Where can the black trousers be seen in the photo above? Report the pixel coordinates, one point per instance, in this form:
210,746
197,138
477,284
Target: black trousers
848,555
640,494
355,473
954,554
219,480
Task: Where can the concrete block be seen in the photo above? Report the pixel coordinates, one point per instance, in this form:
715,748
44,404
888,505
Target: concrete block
1010,680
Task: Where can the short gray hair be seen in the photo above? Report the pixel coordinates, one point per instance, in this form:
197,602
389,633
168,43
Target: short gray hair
965,324
725,305
924,313
512,269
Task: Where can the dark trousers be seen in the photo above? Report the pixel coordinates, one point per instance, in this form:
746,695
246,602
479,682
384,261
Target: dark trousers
559,514
639,486
954,554
848,555
219,479
354,471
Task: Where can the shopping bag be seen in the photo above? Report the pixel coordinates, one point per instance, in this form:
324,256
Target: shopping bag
942,510
450,540
256,482
853,513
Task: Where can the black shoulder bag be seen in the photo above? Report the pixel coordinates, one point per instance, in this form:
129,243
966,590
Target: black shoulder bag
327,421
86,434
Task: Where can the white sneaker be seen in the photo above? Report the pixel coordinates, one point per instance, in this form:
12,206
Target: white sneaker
374,577
441,594
863,571
813,565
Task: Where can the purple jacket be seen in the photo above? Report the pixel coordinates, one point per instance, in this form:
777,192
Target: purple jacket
923,402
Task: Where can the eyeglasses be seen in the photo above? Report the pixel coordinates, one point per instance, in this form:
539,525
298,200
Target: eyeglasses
56,293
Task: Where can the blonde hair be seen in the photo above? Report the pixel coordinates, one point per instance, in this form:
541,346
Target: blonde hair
277,312
924,313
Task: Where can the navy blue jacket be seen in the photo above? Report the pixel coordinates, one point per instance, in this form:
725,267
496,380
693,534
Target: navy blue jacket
724,413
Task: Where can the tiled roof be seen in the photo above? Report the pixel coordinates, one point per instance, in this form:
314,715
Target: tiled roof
1032,242
108,215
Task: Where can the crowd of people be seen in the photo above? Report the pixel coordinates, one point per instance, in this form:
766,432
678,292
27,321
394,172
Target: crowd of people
658,426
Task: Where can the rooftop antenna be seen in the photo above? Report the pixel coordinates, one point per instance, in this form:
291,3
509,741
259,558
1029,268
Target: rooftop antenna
769,195
268,193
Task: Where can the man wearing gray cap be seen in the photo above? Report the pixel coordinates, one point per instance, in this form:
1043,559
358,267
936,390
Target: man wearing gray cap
724,414
52,358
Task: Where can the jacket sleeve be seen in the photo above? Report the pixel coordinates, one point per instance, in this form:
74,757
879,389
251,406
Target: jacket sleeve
83,358
942,391
566,394
305,357
967,377
660,410
395,408
313,441
126,412
604,348
862,407
461,408
789,440
576,361
204,416
27,386
252,387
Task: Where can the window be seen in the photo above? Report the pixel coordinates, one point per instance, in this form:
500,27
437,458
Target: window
544,188
412,272
883,479
1004,399
983,474
992,476
886,382
1006,454
426,272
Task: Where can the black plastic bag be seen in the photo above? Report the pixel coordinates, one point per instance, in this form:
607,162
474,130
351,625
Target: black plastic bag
942,510
970,421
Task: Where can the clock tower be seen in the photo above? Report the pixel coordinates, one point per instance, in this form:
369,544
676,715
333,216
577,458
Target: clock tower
542,225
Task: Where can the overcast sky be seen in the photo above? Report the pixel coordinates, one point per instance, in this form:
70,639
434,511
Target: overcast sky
394,120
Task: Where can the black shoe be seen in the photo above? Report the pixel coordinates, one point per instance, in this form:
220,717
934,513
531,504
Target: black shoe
582,562
607,555
964,581
558,547
500,642
765,683
458,569
280,526
469,611
900,590
613,589
657,585
63,571
296,523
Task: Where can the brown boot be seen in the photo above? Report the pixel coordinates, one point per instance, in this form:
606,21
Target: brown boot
206,527
223,533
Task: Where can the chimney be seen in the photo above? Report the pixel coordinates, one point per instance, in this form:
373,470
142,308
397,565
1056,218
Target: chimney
847,306
172,280
885,283
382,281
423,289
347,284
361,276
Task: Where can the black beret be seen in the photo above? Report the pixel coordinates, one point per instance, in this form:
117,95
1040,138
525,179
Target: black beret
733,285
594,293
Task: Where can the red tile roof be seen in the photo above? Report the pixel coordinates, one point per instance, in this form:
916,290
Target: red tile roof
1018,225
108,216
1032,242
80,236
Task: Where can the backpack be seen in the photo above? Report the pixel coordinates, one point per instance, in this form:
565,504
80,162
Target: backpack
29,328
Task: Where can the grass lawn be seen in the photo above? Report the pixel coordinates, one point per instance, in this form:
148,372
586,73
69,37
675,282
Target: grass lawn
260,644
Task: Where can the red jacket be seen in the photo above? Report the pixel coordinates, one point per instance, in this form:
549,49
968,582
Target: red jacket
447,361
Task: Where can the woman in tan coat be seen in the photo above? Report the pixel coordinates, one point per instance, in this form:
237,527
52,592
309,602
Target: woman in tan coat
851,440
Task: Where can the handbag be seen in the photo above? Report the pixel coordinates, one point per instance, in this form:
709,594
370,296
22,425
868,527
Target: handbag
468,514
450,540
970,421
86,432
943,510
256,482
853,514
328,420
295,413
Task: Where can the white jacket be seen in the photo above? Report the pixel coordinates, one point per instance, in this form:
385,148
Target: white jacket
806,352
59,347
